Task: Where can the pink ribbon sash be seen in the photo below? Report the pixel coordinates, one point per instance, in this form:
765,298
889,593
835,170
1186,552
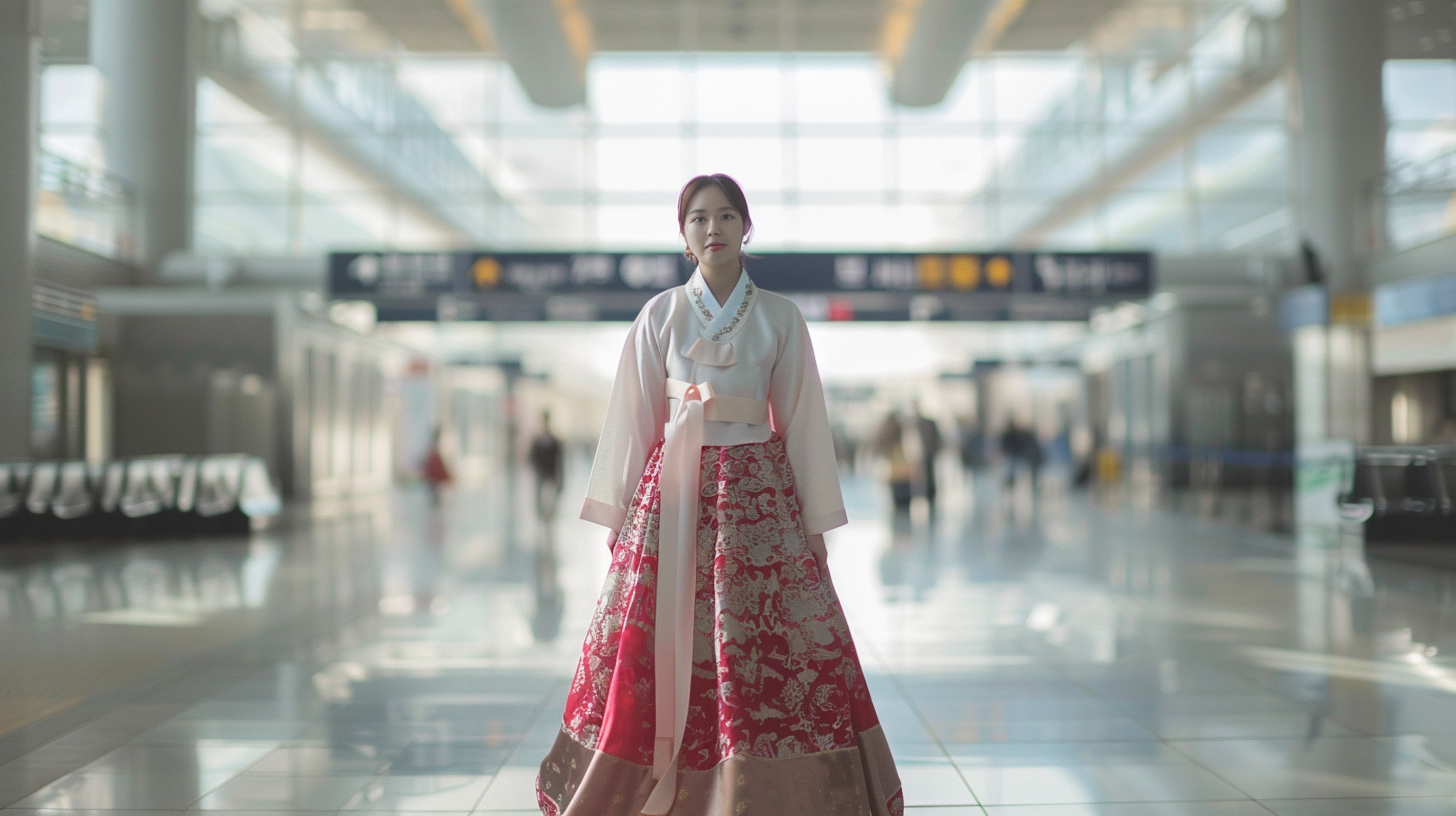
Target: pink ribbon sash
677,547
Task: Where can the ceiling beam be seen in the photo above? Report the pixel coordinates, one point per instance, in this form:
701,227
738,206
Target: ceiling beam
1001,17
927,43
474,23
546,44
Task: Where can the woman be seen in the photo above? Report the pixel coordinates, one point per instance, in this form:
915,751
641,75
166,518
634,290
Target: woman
718,675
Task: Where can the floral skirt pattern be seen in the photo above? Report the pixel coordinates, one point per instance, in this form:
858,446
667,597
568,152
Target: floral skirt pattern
780,719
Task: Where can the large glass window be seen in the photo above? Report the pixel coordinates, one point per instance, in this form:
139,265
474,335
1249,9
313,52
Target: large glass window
1106,144
1420,189
78,200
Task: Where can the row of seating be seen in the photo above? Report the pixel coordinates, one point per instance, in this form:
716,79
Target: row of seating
1403,493
138,497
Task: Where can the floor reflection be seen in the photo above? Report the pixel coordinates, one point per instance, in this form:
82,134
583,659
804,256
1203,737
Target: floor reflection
550,603
1057,653
191,581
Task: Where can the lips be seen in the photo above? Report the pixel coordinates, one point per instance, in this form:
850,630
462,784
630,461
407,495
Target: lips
715,247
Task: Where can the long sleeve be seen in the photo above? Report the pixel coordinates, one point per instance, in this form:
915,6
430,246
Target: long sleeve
800,416
636,414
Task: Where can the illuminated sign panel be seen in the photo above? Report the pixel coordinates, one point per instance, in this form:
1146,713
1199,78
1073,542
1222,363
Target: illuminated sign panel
613,286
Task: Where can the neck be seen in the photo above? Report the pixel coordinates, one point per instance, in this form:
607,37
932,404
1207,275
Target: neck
721,278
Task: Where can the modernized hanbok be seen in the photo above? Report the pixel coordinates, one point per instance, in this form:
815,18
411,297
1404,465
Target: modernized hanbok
718,675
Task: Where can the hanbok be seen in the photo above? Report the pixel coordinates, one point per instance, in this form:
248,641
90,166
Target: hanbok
718,675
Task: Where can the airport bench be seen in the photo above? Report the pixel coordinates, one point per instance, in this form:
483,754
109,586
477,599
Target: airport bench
1403,493
140,497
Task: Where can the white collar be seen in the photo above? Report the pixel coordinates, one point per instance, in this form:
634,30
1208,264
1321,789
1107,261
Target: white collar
710,301
720,321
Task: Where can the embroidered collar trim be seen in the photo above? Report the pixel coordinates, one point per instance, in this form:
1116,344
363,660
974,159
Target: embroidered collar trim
730,316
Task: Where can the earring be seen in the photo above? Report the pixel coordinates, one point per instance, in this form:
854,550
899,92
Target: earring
688,253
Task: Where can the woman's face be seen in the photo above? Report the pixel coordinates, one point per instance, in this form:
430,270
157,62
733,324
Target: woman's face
714,229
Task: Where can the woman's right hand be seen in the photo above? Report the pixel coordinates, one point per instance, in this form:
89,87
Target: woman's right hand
612,541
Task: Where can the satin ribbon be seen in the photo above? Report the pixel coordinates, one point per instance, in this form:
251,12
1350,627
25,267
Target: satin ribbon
677,552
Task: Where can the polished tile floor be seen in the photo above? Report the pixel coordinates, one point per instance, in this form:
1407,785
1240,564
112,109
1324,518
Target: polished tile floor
1074,655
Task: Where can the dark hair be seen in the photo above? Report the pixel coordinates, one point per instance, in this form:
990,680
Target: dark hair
730,188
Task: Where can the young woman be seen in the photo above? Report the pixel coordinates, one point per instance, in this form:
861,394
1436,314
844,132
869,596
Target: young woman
718,676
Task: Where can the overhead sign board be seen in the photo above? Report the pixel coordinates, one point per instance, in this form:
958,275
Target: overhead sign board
606,286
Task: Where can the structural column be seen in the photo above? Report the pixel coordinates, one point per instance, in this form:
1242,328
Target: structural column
144,50
19,61
1337,116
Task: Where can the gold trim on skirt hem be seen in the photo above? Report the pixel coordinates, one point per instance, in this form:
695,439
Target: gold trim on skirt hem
856,781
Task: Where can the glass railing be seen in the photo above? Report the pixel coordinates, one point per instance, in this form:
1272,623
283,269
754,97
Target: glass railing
85,207
1419,201
359,106
1118,110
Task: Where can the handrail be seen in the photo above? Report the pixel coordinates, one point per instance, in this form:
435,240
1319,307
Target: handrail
1416,201
86,207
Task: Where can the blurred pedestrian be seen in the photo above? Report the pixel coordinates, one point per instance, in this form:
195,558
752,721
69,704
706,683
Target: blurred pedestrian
930,445
899,473
972,444
843,447
1022,452
436,472
546,465
1034,455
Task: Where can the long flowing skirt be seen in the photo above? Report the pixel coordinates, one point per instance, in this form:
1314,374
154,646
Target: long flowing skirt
780,719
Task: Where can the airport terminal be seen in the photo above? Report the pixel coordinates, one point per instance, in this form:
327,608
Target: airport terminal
1102,460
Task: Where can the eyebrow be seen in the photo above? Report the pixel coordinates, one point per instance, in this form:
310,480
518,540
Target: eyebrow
720,209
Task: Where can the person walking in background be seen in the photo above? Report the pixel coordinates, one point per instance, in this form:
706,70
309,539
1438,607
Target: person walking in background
930,445
844,451
899,473
1034,456
972,444
1022,451
546,465
436,472
1009,443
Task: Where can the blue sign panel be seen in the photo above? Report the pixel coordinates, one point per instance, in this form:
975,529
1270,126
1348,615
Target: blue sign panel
524,285
1305,306
1408,302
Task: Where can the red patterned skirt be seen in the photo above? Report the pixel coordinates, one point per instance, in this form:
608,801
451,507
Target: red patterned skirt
780,719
